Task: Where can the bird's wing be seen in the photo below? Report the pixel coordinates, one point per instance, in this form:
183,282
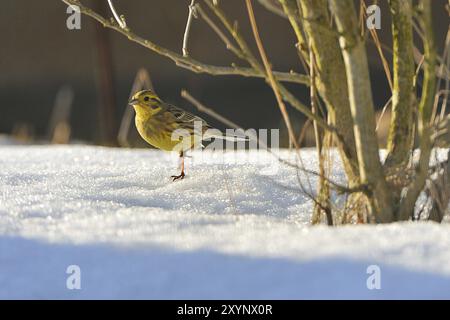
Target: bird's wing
185,117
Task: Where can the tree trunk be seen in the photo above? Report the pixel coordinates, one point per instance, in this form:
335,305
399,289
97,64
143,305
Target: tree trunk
425,108
362,109
400,137
331,80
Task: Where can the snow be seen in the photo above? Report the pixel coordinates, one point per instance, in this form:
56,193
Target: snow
230,230
7,140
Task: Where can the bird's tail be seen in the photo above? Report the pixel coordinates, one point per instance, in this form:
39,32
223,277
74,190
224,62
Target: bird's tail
222,136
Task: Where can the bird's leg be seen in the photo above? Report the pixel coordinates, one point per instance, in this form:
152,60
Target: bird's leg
182,175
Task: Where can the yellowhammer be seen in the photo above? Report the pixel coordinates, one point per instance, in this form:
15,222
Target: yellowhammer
170,128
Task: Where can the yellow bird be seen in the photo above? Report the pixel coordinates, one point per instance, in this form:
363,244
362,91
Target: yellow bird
157,121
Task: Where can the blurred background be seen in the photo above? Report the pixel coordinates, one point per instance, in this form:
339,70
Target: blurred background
77,82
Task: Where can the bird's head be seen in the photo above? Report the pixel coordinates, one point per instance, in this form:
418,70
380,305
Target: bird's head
146,102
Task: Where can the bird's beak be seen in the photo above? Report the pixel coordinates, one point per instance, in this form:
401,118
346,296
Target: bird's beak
132,102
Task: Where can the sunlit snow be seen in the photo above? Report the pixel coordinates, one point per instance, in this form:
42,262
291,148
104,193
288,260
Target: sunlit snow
231,229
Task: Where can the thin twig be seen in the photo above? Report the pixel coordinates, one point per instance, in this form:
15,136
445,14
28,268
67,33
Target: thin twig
302,134
274,83
446,62
187,62
441,70
386,105
219,33
192,14
120,20
284,92
141,81
273,8
377,42
208,111
408,202
199,67
321,205
269,73
202,108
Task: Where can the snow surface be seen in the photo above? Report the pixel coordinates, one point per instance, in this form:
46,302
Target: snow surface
226,231
7,140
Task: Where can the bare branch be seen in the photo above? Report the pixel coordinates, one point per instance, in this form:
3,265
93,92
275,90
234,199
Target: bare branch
273,8
336,186
186,62
208,111
269,73
378,45
444,64
362,109
285,93
141,81
383,111
219,33
120,20
275,85
425,110
192,14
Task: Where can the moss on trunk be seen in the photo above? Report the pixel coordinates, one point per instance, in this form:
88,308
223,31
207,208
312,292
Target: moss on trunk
400,138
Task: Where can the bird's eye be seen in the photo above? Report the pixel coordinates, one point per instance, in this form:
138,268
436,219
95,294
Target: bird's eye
146,99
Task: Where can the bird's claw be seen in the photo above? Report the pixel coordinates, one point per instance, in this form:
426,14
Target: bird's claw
180,177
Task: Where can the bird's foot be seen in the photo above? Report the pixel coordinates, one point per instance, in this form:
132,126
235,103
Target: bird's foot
180,177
